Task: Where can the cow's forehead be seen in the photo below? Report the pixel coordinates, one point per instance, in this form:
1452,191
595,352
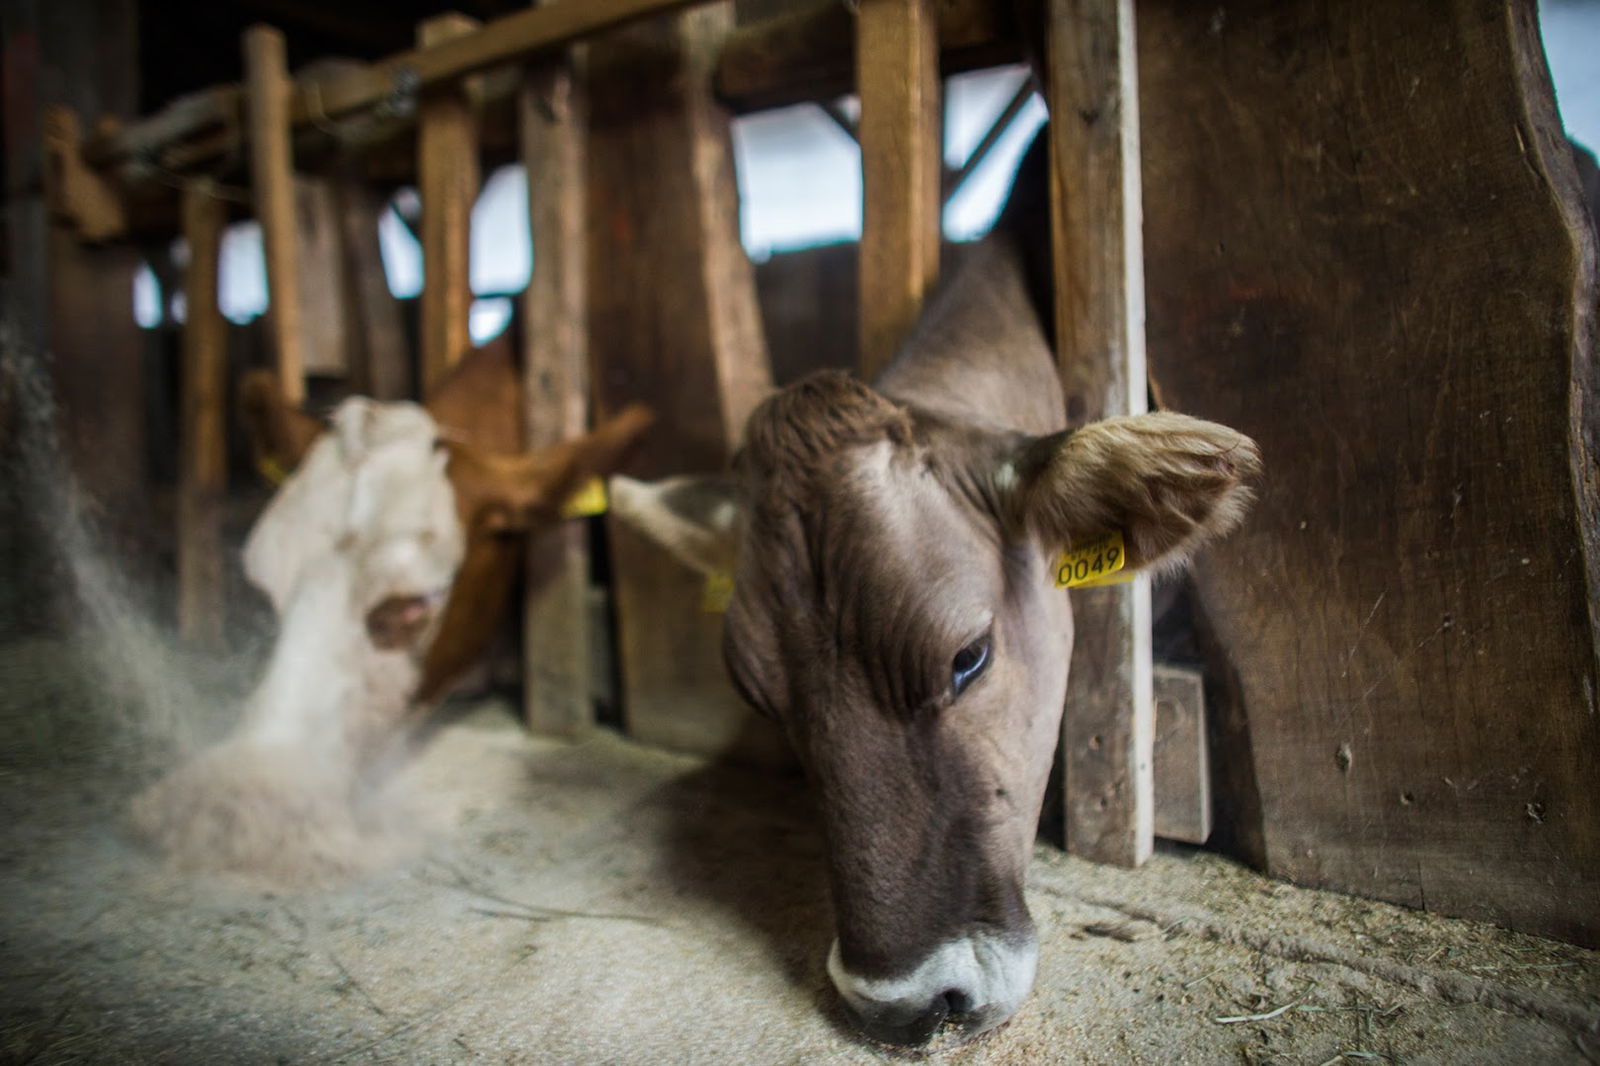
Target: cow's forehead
879,571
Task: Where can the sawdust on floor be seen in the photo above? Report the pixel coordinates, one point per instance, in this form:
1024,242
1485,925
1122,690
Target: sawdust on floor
607,903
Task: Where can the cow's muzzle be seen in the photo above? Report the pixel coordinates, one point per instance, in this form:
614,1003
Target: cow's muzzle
969,985
397,623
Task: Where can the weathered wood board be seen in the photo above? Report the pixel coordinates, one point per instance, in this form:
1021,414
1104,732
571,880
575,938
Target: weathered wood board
447,177
1364,249
272,182
202,438
558,697
672,324
902,136
1107,730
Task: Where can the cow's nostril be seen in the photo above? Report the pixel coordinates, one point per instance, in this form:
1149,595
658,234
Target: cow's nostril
957,1002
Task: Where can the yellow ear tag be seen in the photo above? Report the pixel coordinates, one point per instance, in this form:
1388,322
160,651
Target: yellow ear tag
717,594
1096,562
587,502
271,469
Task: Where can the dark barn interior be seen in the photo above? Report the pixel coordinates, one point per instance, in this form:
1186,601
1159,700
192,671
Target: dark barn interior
1326,795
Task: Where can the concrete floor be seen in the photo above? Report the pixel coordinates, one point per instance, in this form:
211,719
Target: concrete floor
605,903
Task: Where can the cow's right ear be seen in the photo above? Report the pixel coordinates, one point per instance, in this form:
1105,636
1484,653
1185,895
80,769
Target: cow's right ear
696,517
280,434
1167,483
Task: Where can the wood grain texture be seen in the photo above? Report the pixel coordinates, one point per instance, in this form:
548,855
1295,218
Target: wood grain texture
202,439
1092,93
1365,250
272,175
672,324
901,133
558,696
447,177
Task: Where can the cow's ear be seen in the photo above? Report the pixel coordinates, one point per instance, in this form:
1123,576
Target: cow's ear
280,434
510,493
1166,482
696,518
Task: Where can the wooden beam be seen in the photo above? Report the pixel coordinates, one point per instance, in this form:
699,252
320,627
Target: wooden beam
379,351
551,116
897,74
447,177
958,177
326,326
807,52
203,452
673,323
272,172
444,60
1095,199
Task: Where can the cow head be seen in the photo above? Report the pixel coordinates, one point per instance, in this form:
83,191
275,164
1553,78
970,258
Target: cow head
895,610
424,500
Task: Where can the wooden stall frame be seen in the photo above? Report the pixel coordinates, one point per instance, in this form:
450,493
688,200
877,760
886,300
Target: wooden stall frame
558,697
1097,236
447,178
901,131
272,173
203,473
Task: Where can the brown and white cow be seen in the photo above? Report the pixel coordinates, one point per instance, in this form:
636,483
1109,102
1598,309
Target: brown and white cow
894,609
388,554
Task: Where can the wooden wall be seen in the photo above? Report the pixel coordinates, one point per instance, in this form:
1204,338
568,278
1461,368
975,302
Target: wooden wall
1364,249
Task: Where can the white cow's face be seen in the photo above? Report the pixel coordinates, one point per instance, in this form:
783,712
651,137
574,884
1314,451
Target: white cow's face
372,492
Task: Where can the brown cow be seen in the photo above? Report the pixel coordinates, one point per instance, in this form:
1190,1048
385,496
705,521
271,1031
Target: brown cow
895,609
388,555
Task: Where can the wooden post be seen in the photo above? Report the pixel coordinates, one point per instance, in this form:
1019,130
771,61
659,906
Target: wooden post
447,176
1095,196
379,353
897,75
673,323
267,87
557,696
203,453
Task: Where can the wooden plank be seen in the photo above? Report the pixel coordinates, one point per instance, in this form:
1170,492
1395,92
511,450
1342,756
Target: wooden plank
673,324
1366,249
202,440
1180,755
1092,90
379,351
272,174
901,130
558,696
326,332
447,177
443,61
788,53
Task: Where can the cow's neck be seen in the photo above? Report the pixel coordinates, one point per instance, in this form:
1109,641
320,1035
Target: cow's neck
979,353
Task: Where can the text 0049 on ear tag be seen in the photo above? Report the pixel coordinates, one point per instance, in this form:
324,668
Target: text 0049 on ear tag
1096,562
718,591
587,502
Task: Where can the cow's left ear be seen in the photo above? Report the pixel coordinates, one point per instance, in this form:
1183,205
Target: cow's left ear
510,493
1166,482
280,434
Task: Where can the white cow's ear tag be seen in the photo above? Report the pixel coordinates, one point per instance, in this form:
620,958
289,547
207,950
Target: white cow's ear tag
1100,561
717,593
587,501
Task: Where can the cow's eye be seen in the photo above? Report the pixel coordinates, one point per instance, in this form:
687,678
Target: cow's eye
969,664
